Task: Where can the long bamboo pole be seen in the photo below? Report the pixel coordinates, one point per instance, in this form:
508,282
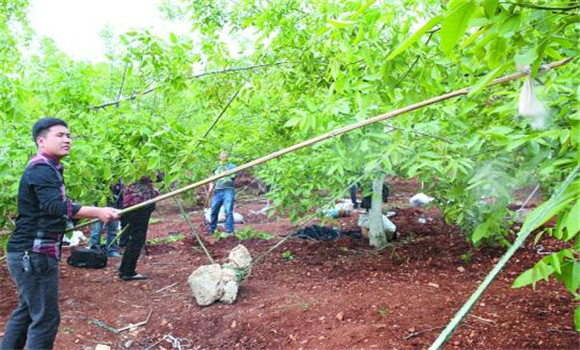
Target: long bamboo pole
323,137
522,235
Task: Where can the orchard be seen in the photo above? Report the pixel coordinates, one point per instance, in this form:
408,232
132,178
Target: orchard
313,97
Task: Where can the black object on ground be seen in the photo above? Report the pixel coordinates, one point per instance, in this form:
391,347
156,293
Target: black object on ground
87,258
319,233
322,233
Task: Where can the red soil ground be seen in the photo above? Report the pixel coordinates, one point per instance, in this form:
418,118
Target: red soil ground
331,295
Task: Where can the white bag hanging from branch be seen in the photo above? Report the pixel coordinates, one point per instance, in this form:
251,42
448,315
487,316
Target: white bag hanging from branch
530,106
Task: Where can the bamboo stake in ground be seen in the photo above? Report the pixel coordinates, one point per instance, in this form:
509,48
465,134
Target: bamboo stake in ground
527,228
193,230
323,137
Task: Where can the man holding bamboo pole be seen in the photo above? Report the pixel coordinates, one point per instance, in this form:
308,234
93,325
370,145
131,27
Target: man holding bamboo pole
34,248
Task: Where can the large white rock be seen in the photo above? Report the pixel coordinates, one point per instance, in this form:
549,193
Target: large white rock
211,283
240,257
205,283
230,292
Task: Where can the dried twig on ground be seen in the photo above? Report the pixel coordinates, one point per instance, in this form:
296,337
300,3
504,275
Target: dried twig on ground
482,319
567,331
119,330
131,326
164,288
418,333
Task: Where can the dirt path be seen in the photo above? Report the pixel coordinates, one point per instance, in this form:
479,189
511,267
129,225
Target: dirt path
330,295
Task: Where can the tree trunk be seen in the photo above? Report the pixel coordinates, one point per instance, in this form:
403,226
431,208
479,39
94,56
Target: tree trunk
377,236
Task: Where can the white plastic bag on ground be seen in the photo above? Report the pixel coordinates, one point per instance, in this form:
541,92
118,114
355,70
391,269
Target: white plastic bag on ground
420,199
341,209
238,218
531,107
75,238
388,225
345,205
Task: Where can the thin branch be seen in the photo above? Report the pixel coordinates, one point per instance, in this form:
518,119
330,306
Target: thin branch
540,7
418,333
416,59
420,133
482,319
150,90
219,116
122,81
229,70
407,72
167,287
566,331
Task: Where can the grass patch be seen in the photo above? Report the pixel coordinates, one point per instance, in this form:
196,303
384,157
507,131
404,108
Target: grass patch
250,232
165,240
287,255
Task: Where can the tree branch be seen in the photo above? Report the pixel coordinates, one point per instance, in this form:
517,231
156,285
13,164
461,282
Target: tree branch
150,90
431,32
219,116
540,7
420,133
122,81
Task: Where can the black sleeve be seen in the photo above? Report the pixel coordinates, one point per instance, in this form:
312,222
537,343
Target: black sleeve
44,181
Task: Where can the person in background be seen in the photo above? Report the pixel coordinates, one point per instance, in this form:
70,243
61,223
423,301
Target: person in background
138,222
115,201
353,189
34,248
223,195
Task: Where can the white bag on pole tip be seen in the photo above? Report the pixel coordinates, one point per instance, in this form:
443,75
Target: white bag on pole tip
530,107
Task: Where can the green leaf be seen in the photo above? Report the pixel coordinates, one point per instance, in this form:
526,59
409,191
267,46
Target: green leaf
534,217
571,276
525,58
555,262
362,9
455,24
511,25
409,41
153,162
340,23
542,270
482,83
524,279
479,232
490,6
292,122
573,221
577,318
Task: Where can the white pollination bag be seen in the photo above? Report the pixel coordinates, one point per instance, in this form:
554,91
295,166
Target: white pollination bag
530,106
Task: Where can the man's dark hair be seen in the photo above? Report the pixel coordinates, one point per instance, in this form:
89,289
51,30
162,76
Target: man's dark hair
42,126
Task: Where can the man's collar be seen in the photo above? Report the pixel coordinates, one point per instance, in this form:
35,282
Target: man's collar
52,158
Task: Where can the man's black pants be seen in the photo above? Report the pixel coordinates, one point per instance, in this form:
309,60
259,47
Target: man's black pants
35,320
138,222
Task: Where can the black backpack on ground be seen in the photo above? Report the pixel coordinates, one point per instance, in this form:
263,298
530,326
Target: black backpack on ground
87,258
